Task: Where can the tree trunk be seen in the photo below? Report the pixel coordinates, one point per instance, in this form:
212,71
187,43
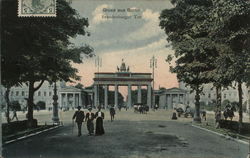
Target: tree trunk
30,101
8,104
197,117
32,89
240,106
248,104
218,99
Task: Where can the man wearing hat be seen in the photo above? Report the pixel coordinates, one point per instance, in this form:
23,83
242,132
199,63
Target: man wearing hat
79,117
90,116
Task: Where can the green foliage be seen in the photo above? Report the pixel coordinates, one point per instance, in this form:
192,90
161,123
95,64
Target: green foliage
244,106
41,105
212,103
134,96
15,105
39,48
207,107
184,25
225,103
111,97
202,103
79,86
231,28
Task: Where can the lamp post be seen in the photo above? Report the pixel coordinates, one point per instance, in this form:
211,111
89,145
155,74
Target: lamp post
55,117
98,64
153,65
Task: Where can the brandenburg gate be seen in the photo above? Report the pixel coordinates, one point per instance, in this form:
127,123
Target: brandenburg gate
123,77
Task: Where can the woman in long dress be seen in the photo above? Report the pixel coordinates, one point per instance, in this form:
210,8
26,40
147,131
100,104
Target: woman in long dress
99,115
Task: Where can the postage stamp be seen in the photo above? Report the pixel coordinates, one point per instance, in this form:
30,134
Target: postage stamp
37,8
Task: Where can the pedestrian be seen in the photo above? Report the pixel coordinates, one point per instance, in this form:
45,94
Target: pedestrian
204,115
174,117
217,118
99,130
112,113
156,106
90,116
79,118
14,115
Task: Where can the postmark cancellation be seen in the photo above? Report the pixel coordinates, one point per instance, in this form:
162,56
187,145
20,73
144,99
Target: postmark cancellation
37,8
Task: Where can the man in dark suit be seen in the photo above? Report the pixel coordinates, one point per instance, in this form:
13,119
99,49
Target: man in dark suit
112,113
79,118
90,116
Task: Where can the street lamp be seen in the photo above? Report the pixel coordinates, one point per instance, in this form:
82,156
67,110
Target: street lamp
55,117
98,64
153,65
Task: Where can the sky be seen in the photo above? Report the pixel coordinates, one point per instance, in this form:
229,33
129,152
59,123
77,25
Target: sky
133,35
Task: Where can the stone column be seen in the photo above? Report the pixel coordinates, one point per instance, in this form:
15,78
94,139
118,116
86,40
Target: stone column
80,99
116,95
129,96
184,99
95,96
61,99
248,101
106,96
172,101
139,94
77,99
149,96
67,100
92,99
74,100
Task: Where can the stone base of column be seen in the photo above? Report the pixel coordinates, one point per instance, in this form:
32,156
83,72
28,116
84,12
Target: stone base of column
197,119
55,120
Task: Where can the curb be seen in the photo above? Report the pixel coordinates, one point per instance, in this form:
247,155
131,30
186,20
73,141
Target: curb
222,135
30,135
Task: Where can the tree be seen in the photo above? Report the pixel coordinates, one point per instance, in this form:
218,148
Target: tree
15,105
231,20
225,103
79,86
9,79
111,98
41,47
186,30
41,105
134,95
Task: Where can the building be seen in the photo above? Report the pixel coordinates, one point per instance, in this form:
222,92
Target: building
68,96
167,98
123,77
209,94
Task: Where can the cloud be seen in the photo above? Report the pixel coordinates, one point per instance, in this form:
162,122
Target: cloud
98,13
155,46
150,16
137,58
149,29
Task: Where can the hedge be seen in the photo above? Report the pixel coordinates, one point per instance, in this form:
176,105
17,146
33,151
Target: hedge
234,126
13,127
